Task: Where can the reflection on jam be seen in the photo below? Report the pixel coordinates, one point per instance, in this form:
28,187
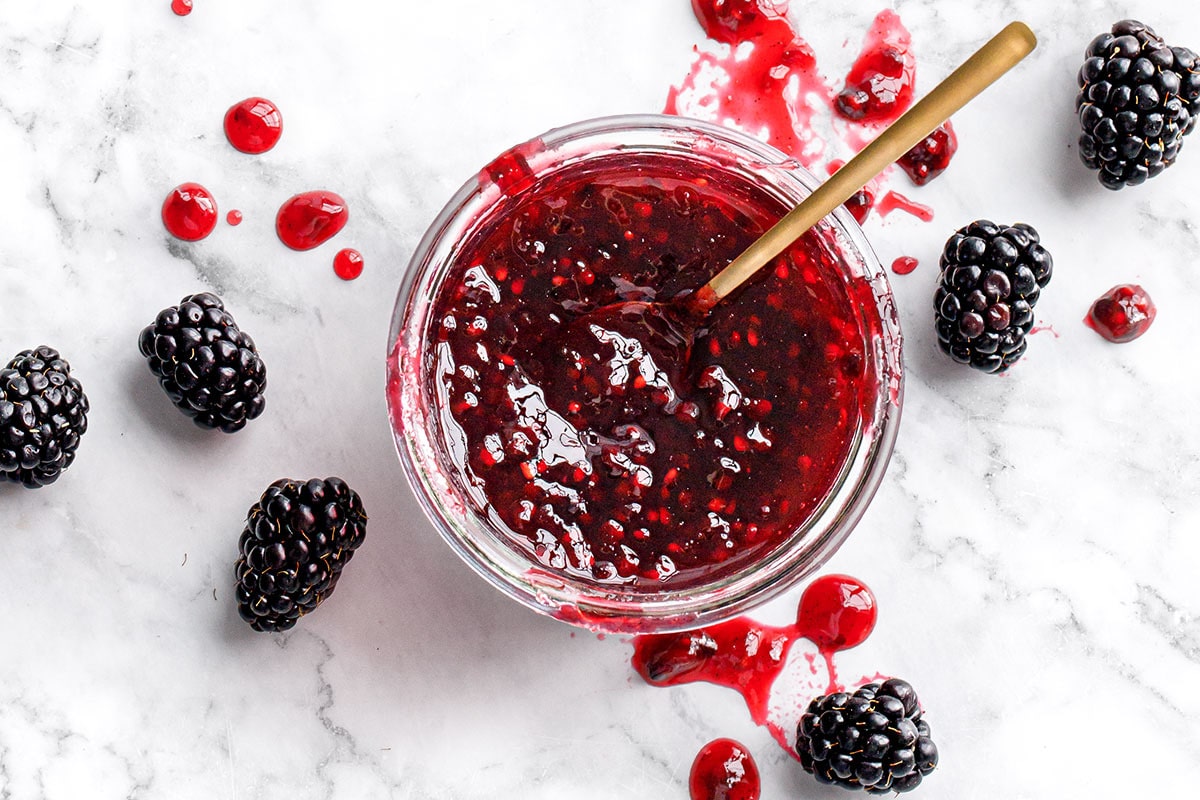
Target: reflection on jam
254,125
768,91
836,612
181,7
311,219
894,201
724,770
622,462
189,212
348,264
904,265
1122,314
931,155
879,86
234,217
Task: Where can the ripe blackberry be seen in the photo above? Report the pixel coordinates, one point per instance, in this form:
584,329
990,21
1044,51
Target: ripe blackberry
1138,98
873,739
297,539
43,412
991,279
206,364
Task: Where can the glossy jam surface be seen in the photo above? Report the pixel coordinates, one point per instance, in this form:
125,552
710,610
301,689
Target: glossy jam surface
181,7
879,86
254,125
724,770
597,450
904,265
234,218
1122,314
348,264
310,219
189,212
931,156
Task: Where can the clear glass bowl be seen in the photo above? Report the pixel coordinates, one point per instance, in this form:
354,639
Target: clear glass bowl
460,513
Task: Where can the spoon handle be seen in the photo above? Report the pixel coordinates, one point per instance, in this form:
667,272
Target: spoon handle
978,72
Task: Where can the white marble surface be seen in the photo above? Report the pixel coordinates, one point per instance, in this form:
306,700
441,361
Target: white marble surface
1034,547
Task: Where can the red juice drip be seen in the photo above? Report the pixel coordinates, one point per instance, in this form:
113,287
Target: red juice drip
765,91
181,7
894,201
189,212
234,217
1050,329
836,612
724,770
879,86
348,264
310,219
254,125
1122,314
904,265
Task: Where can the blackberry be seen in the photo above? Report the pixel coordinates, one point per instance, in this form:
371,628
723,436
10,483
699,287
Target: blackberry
205,363
991,278
873,739
297,539
43,413
1138,97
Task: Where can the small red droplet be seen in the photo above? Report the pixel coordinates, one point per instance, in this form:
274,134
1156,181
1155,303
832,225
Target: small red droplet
254,125
310,219
836,612
1122,314
181,7
904,265
348,264
234,217
189,212
724,770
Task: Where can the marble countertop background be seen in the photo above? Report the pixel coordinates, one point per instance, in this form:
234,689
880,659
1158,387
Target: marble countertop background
1034,548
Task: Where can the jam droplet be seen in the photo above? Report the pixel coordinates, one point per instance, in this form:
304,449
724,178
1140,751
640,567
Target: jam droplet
253,125
189,212
181,7
894,201
724,770
348,264
879,86
311,219
930,157
904,265
1122,314
836,612
234,217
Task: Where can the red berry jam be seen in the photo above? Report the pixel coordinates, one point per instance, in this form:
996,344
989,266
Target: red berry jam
904,265
348,264
311,219
254,125
181,7
836,612
724,770
189,212
600,447
736,21
1122,314
931,156
234,218
879,86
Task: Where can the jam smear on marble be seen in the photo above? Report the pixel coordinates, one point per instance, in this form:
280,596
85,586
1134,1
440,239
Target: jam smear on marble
253,125
189,212
724,770
181,7
1122,314
348,264
894,201
600,461
310,219
879,86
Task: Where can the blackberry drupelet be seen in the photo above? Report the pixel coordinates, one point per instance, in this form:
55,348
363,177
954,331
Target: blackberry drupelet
297,539
43,413
991,279
205,363
1138,97
873,739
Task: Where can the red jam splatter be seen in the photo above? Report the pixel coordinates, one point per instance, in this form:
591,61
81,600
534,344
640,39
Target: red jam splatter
767,91
348,264
1046,329
254,125
904,265
189,212
879,86
234,217
181,7
311,219
894,201
836,612
597,459
724,770
931,156
1122,314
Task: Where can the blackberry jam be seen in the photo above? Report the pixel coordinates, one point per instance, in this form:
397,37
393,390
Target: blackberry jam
612,465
